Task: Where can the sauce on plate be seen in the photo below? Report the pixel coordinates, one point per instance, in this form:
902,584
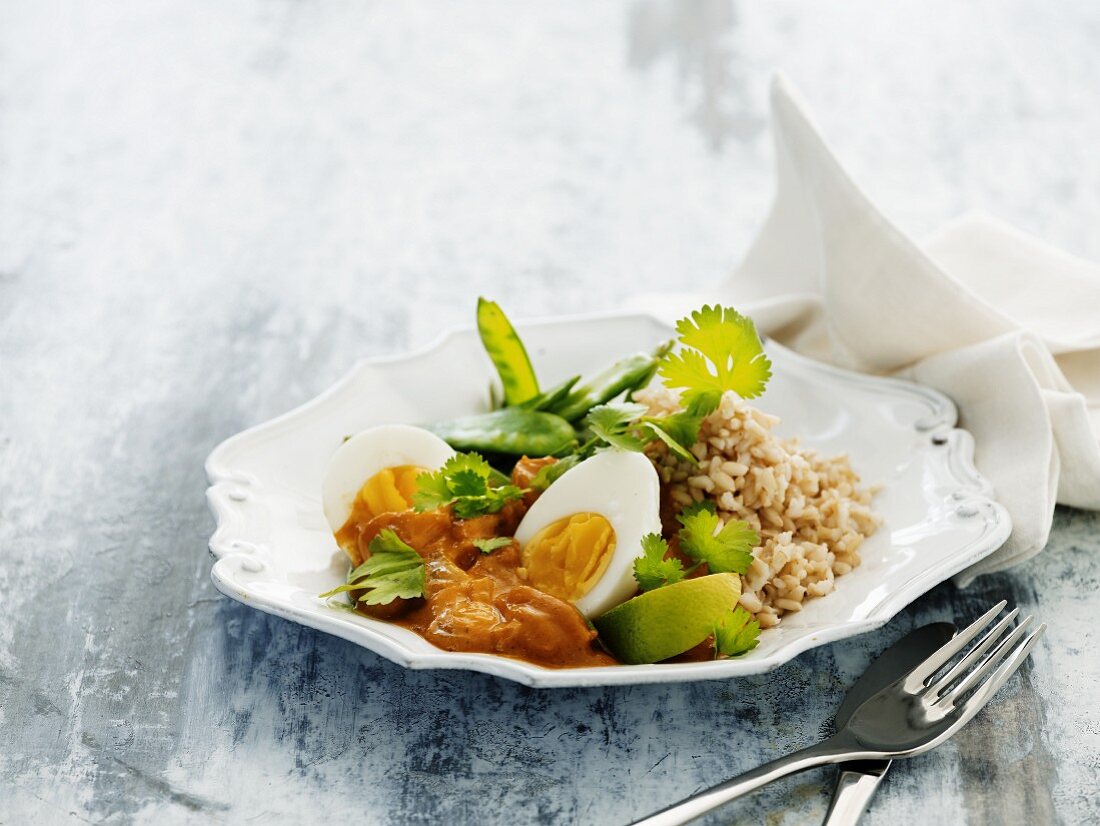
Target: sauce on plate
475,601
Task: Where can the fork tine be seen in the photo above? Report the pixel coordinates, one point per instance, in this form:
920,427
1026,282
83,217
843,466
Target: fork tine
919,676
962,666
1006,648
982,695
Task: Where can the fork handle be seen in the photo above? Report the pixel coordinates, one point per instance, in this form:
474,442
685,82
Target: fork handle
856,784
819,754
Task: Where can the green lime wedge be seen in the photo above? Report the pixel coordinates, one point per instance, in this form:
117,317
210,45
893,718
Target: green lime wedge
668,621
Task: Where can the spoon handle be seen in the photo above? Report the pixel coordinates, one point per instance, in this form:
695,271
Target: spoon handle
856,784
819,754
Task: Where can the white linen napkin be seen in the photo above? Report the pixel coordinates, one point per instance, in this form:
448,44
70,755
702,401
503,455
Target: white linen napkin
1005,325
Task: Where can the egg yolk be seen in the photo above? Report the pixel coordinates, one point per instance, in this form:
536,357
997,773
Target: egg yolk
567,557
389,490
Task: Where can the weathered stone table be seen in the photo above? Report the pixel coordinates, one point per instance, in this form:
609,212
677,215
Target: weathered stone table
208,211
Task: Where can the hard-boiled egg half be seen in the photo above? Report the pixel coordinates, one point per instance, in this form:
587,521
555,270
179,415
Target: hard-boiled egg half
374,472
580,538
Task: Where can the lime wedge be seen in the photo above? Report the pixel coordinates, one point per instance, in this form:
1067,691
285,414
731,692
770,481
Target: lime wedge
668,621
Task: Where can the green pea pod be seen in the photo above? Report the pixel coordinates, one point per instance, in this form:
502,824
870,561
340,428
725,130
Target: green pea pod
626,374
644,380
507,352
551,397
515,431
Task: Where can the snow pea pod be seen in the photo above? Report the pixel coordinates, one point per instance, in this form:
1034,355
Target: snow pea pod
515,431
506,350
626,374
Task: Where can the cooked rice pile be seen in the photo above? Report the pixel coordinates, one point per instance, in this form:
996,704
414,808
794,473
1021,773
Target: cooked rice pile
810,511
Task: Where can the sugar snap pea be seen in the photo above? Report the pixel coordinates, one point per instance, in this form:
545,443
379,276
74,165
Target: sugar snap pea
549,398
506,350
644,380
626,374
515,431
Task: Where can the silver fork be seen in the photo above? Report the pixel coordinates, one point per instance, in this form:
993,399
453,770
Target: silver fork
916,713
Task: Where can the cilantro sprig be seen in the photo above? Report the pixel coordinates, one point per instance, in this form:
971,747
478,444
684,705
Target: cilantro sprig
463,482
612,423
736,633
652,570
394,570
625,426
720,351
703,538
621,426
677,432
724,548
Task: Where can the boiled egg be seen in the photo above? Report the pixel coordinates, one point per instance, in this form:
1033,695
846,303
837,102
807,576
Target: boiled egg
374,472
580,538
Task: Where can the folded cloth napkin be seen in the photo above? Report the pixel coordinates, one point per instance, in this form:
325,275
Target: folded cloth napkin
1003,324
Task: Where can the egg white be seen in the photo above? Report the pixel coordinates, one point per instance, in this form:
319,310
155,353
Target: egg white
624,489
370,451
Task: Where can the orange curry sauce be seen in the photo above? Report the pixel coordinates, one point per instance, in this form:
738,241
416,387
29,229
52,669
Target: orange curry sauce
475,601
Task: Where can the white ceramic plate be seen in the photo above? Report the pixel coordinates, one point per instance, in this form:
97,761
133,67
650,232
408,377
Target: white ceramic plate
275,551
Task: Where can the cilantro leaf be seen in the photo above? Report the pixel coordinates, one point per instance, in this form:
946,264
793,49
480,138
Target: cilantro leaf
464,482
725,548
702,403
392,571
613,425
736,633
467,461
721,351
468,483
432,492
487,546
652,570
682,427
613,422
674,444
548,474
467,507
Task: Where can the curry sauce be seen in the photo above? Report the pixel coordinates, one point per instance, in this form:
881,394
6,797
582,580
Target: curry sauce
475,601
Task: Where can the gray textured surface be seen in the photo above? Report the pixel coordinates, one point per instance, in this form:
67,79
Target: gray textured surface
209,210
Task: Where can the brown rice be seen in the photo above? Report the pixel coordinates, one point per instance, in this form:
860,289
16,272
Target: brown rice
810,511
